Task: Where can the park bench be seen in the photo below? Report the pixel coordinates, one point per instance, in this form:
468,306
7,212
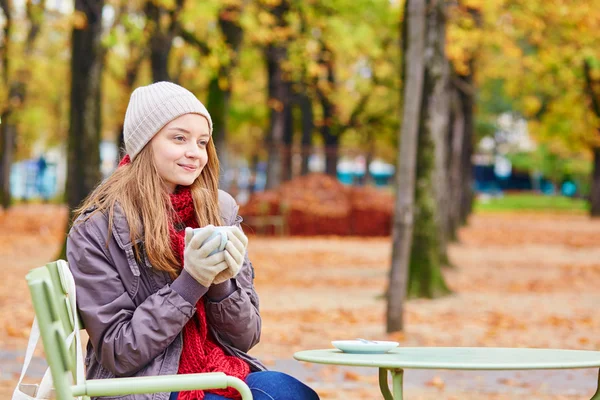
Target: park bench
262,221
57,317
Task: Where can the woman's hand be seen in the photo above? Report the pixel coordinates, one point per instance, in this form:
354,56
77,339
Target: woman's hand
234,253
196,260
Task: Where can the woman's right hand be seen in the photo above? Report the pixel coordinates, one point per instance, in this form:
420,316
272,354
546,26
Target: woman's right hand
196,259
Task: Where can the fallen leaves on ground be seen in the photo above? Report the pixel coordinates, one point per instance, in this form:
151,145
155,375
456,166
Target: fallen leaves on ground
519,280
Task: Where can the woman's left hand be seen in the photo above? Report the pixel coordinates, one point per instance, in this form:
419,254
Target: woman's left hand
235,250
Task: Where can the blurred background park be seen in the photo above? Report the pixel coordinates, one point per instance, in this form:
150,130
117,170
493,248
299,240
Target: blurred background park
426,171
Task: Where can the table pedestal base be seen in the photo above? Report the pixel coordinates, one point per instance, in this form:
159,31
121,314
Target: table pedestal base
397,379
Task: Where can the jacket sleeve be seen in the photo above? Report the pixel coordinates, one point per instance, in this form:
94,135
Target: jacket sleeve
237,318
125,338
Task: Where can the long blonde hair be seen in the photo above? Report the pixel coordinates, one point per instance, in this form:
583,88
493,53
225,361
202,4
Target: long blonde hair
144,199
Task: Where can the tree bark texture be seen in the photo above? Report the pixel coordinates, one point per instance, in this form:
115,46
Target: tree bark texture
438,109
308,124
331,129
425,278
595,105
467,100
161,39
595,187
83,171
288,144
413,36
280,93
456,129
219,94
7,145
7,135
132,70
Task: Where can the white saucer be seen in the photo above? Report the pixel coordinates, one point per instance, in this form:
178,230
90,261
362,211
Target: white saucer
356,346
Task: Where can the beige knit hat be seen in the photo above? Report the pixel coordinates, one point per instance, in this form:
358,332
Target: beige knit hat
152,107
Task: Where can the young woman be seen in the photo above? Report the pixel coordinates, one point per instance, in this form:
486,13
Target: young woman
153,299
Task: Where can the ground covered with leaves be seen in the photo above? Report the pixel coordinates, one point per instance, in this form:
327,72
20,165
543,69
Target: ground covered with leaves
518,280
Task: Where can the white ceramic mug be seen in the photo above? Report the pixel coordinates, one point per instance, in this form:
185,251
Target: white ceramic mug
219,231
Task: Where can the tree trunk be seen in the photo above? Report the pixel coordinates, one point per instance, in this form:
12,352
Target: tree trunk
7,145
218,107
308,124
331,151
595,185
161,38
131,73
7,135
83,172
369,180
595,105
288,146
413,36
220,86
438,109
456,144
279,99
17,90
467,100
160,44
253,173
425,278
329,130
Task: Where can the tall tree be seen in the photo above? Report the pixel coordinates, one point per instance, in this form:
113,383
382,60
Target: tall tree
416,251
124,67
538,52
465,24
7,136
437,77
17,87
413,39
333,126
279,92
349,74
460,150
592,88
220,86
425,278
164,28
308,124
83,172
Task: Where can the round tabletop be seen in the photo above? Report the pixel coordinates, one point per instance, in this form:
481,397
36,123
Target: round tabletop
467,358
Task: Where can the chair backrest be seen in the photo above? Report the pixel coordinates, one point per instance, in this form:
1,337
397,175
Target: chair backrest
53,311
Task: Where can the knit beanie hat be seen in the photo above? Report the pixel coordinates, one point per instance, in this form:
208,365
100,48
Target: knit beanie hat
152,107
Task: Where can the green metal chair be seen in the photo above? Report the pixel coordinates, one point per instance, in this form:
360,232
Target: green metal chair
49,293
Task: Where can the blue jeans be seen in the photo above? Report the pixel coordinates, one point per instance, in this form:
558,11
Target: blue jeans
271,385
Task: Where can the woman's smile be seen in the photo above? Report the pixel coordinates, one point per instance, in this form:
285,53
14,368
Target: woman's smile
188,167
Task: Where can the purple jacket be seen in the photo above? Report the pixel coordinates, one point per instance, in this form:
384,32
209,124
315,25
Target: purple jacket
134,314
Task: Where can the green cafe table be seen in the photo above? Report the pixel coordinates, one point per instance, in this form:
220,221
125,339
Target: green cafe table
463,358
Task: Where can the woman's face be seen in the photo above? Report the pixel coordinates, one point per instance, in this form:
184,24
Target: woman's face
180,150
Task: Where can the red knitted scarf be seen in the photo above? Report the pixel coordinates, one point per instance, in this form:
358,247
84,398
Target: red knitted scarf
200,353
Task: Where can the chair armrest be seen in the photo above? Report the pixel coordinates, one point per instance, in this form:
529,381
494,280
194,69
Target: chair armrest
162,383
